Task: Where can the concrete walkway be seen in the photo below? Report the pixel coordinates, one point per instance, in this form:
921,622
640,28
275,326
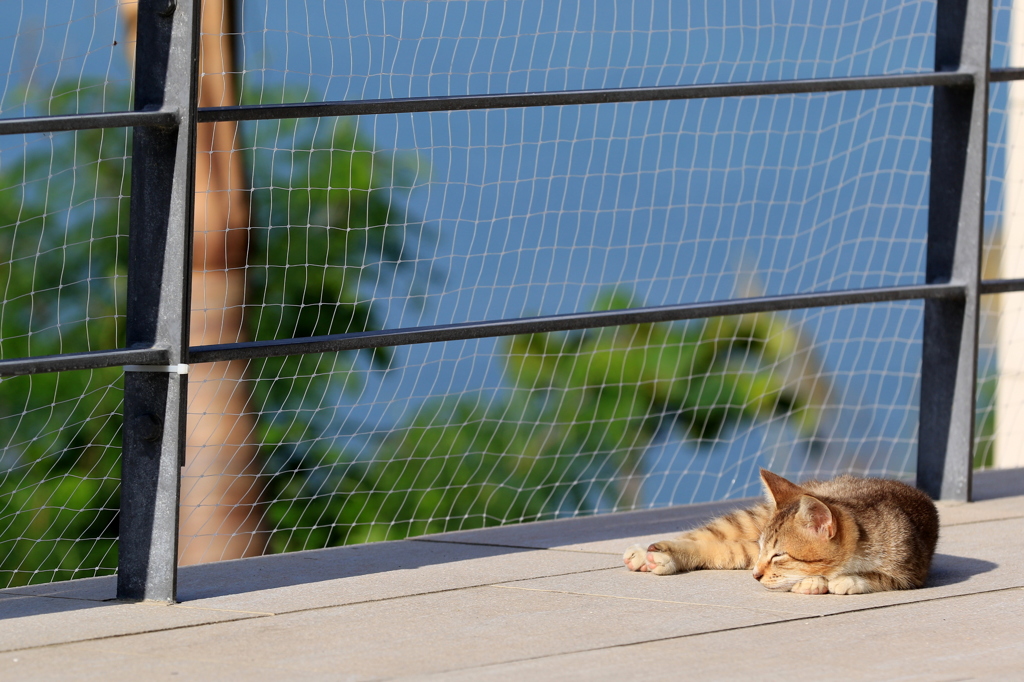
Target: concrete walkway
548,601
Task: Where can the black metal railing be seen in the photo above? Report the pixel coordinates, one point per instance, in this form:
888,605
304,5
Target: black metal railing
160,247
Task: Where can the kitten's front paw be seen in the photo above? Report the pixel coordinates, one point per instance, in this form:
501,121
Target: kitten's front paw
849,584
635,558
659,561
816,584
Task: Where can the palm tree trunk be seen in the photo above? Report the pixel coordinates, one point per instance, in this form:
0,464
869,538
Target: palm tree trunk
221,490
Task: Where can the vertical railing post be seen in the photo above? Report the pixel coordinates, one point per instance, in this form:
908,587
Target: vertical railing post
955,220
159,270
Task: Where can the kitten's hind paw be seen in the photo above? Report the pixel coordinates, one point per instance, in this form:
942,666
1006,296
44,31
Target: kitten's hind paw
635,558
659,561
814,585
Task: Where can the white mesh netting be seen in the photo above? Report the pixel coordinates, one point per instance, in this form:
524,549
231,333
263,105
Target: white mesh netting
63,227
331,225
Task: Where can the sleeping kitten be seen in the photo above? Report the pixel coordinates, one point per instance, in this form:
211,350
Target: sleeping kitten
845,536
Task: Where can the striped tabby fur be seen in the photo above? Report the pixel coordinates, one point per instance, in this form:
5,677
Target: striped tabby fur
846,536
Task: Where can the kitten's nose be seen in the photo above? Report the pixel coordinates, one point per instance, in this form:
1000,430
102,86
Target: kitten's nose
758,574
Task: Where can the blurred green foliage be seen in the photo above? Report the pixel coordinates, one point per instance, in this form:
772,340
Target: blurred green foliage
697,376
448,468
985,422
63,221
330,227
565,437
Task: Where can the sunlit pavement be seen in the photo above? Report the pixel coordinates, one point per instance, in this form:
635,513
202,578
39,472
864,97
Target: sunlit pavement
548,600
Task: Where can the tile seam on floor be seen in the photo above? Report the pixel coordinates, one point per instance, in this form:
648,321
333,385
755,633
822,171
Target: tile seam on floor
210,608
977,521
61,596
130,634
108,600
265,614
440,541
754,608
252,616
797,618
414,594
644,599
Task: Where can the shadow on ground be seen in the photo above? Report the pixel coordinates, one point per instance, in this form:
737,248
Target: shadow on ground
224,578
948,569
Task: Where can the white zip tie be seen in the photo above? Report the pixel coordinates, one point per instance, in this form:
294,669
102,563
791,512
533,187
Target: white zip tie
171,369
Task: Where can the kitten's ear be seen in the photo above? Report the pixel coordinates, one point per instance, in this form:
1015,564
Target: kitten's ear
778,491
815,516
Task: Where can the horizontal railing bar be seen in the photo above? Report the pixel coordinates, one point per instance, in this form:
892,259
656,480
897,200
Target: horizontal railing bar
572,321
63,123
90,360
1004,75
254,112
127,119
1000,286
